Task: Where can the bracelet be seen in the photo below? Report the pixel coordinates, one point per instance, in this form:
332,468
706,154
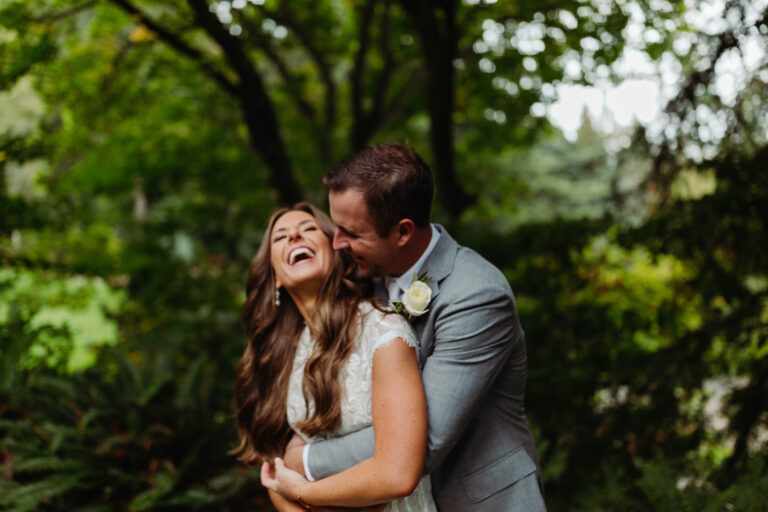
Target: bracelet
301,501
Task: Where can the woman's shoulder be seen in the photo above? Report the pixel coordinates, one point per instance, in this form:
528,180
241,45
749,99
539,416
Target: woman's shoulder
374,314
382,326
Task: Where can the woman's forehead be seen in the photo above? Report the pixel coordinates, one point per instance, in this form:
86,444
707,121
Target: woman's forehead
292,219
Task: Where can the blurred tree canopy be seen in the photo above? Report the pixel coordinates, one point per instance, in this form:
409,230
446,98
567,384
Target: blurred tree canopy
144,143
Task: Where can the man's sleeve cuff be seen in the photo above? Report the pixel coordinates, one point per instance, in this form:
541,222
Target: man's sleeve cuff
305,458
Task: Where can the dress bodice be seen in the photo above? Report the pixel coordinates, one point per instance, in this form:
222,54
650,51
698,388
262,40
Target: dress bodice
376,329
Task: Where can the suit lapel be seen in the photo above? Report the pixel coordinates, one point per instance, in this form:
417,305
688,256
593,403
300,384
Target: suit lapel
438,266
439,263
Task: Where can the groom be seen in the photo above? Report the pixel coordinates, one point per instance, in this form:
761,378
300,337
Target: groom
480,452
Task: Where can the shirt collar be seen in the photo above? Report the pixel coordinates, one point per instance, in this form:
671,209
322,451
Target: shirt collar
405,279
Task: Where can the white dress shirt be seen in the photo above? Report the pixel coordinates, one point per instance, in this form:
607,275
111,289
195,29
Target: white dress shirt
397,285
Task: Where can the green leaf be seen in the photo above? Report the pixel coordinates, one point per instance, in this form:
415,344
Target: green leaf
164,484
40,464
35,492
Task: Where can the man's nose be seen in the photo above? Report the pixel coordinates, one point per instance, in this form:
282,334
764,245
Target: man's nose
339,242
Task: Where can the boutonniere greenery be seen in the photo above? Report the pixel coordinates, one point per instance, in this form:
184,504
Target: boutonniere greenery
416,298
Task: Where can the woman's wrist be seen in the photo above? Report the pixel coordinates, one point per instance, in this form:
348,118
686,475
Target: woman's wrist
299,495
283,504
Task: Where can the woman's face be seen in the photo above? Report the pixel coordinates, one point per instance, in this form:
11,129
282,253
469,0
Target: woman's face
301,254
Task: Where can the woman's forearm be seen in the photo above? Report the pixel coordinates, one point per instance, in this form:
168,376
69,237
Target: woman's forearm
371,482
284,504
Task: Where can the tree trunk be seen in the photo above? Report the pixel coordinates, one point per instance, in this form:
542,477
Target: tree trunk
435,22
258,111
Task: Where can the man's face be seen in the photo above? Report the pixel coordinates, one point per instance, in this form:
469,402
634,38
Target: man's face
356,234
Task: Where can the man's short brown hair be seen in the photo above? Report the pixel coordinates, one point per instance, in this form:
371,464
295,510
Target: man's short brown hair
395,182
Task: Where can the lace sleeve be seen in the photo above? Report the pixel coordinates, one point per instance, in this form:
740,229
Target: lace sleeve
387,327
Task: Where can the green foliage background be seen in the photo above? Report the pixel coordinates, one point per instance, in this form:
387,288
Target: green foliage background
143,145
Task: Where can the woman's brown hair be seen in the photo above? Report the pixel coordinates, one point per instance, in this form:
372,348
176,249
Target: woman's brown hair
262,375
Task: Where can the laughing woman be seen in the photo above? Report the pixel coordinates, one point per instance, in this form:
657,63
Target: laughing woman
323,360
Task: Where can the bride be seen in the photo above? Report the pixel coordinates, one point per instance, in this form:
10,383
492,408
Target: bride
323,359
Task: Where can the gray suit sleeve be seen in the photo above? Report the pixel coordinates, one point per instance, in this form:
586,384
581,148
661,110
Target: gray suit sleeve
473,339
333,456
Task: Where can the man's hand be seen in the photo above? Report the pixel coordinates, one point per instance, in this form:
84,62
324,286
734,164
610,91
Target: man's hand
294,454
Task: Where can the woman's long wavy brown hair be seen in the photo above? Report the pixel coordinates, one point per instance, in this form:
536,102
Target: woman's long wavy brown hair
262,375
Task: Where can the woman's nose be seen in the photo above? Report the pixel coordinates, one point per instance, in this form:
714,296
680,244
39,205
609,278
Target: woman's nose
294,234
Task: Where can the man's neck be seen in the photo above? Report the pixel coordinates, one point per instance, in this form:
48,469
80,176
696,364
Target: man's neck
413,250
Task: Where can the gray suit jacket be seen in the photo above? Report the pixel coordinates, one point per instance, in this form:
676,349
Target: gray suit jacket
480,452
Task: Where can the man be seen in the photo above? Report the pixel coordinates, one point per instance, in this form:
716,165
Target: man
480,452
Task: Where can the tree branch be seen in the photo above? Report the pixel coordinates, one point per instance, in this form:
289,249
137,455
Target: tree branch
56,16
401,98
752,402
106,84
323,67
263,43
683,106
370,121
257,108
260,116
177,44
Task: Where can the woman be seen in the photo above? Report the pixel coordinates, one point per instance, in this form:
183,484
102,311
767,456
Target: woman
323,360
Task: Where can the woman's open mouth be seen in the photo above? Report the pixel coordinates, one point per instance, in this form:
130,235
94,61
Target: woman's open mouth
300,254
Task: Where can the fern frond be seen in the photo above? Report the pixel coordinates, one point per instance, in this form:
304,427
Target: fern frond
21,508
150,497
190,383
36,492
194,498
40,464
7,486
98,507
56,386
12,425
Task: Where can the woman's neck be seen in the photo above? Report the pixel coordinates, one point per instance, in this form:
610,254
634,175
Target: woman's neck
306,302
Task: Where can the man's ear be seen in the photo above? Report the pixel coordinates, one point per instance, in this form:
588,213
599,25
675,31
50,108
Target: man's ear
403,231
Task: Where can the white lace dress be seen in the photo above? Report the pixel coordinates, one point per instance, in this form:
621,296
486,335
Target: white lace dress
377,329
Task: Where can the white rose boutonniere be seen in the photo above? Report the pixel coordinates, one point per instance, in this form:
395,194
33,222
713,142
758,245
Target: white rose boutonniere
416,298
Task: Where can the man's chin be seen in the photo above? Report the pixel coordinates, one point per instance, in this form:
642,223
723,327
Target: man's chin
361,273
366,271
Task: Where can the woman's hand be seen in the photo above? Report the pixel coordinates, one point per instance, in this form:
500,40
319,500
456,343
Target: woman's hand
286,482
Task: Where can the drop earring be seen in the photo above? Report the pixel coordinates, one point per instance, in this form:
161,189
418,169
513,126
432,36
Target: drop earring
277,297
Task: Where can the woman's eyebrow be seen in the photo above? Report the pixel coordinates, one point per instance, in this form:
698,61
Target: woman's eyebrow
299,224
